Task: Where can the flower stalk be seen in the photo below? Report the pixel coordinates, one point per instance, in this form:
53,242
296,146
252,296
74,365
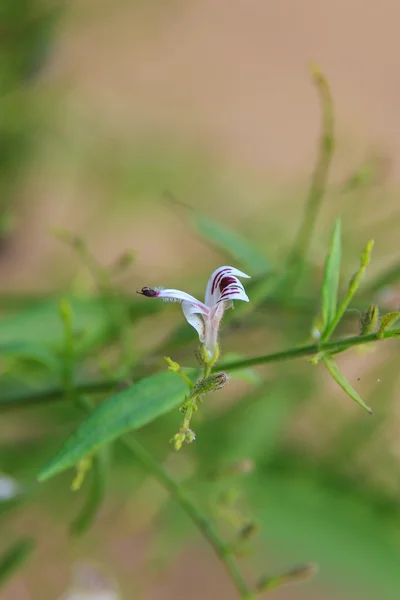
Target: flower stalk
206,384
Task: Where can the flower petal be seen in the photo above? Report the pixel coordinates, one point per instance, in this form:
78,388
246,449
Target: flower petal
174,296
225,285
191,312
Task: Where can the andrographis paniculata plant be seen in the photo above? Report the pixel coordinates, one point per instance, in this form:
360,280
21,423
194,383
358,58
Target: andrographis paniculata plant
222,289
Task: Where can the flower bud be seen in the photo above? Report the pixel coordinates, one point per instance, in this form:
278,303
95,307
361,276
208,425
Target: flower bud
172,365
369,320
178,440
210,384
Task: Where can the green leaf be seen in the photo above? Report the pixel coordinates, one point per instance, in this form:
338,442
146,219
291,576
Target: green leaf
330,285
42,324
30,351
344,384
96,493
353,287
387,321
14,557
123,412
231,243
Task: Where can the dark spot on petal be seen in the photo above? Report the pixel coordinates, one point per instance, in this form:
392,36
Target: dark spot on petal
148,292
225,281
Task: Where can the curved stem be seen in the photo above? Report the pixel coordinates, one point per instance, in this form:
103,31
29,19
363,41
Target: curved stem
196,515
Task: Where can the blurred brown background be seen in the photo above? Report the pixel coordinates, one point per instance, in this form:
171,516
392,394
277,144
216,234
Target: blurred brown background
134,94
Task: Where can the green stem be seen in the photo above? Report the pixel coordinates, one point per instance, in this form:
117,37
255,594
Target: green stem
310,350
319,180
110,385
196,515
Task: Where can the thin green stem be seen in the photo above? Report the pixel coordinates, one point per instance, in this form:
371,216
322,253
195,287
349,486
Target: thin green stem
319,179
185,378
109,385
192,510
332,347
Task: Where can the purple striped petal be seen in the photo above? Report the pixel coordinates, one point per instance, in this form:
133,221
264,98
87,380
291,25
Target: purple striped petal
225,285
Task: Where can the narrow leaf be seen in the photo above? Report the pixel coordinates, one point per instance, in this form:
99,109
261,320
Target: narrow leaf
353,287
96,494
14,557
296,575
231,243
387,321
344,384
330,285
128,410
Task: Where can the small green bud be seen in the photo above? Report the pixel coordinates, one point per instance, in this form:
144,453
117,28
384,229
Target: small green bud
369,320
82,468
178,440
172,365
210,384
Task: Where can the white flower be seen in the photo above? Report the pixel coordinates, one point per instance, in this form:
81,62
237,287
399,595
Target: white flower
222,287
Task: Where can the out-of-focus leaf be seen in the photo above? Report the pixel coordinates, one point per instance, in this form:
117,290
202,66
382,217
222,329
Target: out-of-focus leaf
31,351
42,324
330,285
344,384
95,320
389,277
14,557
96,493
123,412
353,543
231,243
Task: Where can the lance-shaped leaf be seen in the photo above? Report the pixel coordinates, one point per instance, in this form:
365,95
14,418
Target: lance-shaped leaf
230,243
344,384
353,287
330,285
122,412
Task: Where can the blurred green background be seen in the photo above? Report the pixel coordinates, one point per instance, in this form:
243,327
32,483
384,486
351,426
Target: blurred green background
159,128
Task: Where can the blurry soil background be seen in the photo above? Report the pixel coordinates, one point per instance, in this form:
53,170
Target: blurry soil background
213,101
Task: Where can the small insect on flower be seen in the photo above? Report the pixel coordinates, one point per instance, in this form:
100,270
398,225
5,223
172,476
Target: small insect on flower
222,287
